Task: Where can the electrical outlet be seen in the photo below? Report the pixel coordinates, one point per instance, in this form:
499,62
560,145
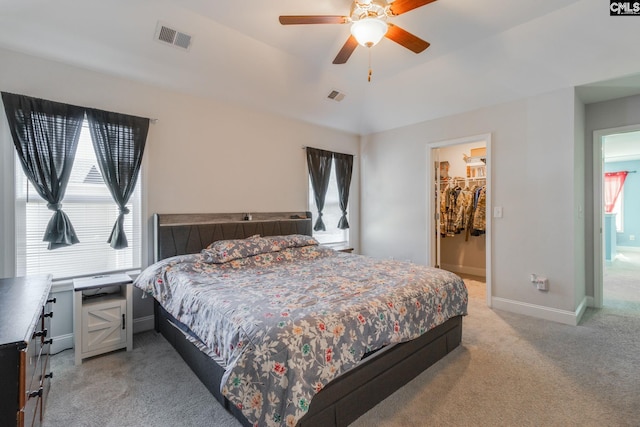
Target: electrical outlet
632,237
542,283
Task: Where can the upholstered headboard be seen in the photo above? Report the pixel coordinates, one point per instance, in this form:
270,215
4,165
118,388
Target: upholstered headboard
179,234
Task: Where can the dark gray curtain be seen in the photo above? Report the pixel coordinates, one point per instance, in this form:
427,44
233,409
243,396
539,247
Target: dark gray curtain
319,163
46,134
344,169
118,141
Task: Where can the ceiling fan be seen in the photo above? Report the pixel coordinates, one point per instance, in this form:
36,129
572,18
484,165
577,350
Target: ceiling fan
368,19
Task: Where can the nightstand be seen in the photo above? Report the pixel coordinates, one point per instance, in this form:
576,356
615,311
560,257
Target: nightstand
102,315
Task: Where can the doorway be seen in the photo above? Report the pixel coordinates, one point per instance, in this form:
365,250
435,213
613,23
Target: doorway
460,247
617,214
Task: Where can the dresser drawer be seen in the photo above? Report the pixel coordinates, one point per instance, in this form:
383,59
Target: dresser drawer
31,380
32,395
39,384
31,411
46,386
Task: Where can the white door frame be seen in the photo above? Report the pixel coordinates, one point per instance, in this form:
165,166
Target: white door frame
436,244
598,207
432,209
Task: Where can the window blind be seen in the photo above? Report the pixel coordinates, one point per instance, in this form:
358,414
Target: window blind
331,213
92,211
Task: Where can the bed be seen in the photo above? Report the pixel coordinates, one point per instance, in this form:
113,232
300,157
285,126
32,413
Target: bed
308,366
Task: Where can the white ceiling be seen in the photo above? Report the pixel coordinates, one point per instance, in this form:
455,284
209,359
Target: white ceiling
483,52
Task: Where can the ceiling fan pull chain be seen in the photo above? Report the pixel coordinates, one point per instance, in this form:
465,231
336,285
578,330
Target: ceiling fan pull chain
369,77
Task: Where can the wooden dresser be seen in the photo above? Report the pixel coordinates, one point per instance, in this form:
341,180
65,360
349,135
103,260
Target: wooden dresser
25,314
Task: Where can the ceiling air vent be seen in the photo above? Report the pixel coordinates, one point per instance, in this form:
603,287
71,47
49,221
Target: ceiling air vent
166,34
336,95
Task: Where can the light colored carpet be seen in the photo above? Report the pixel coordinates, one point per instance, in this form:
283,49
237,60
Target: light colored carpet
148,386
514,370
622,282
510,370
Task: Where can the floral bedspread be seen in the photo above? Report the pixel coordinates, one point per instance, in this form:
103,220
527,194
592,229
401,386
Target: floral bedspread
285,323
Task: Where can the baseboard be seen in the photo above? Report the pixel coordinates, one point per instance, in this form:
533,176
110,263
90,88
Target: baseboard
61,342
472,271
582,307
142,324
555,315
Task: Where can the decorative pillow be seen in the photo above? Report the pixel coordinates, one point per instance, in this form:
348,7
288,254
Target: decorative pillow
227,250
297,240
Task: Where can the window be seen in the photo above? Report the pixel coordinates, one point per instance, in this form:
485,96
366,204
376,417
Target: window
618,209
92,212
330,214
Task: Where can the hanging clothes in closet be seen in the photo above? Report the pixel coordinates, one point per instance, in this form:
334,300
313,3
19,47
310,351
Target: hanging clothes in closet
463,209
479,224
449,208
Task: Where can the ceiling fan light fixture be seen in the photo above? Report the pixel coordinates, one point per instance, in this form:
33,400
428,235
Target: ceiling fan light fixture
369,31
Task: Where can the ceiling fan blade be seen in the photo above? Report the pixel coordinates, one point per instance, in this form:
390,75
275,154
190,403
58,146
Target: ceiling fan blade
401,6
406,39
346,50
313,19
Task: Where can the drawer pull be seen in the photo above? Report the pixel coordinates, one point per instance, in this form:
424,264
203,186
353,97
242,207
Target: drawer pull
49,375
49,314
53,300
35,393
42,333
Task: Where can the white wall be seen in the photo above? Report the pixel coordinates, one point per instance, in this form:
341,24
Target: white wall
201,156
454,154
533,179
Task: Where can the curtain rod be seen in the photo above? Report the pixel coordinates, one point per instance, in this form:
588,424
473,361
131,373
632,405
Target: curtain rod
154,121
304,147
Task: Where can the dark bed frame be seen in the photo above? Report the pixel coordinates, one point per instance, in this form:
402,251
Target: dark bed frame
345,398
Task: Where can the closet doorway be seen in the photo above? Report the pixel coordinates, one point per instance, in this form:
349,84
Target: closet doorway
617,214
459,226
